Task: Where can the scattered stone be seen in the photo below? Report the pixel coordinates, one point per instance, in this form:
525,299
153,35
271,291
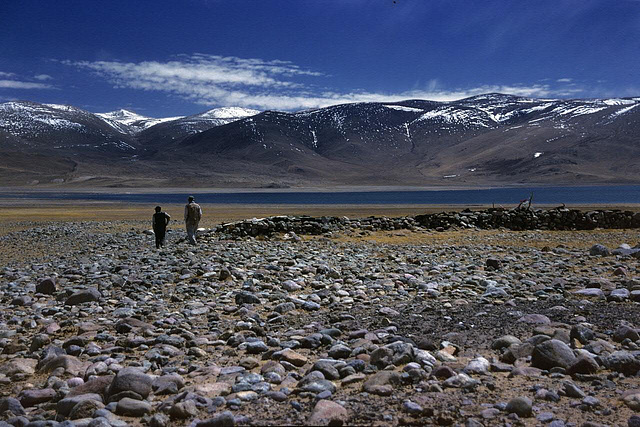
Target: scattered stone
285,330
326,412
290,356
539,319
83,296
625,332
131,380
132,407
85,409
382,383
35,397
479,365
599,250
65,405
552,353
46,286
12,405
521,406
224,419
412,407
632,401
504,342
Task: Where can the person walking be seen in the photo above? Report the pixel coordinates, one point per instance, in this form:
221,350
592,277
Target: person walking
160,222
192,215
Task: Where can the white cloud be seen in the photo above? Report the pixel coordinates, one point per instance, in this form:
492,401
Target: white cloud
13,81
564,80
43,77
15,84
197,70
230,81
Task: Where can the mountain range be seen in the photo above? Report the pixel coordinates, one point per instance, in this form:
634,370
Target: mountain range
486,140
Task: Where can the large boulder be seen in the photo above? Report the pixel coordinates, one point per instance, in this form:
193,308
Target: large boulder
46,286
623,362
18,366
32,397
12,405
71,364
552,353
131,380
65,405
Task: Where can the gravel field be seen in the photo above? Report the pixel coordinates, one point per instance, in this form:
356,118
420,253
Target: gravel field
461,327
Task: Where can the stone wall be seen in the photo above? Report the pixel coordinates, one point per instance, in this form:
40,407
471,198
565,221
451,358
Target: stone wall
515,219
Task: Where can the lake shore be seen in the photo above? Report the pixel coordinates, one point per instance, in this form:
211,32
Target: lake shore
23,211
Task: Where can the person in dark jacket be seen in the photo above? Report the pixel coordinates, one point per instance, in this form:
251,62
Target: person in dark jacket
160,221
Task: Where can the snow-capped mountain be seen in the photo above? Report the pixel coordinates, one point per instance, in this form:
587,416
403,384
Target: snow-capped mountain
489,139
176,130
64,128
492,138
129,122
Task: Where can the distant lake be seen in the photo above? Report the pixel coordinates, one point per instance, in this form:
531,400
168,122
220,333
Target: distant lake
508,196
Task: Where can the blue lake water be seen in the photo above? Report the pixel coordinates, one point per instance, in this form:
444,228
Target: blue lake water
509,196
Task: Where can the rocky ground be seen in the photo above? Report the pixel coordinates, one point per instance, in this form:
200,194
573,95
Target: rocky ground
415,326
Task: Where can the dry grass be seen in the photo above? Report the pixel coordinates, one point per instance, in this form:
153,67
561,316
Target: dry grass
512,239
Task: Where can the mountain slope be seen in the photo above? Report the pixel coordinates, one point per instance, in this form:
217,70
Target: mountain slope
488,139
63,130
491,139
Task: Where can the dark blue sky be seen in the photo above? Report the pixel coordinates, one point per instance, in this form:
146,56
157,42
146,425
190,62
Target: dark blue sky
164,57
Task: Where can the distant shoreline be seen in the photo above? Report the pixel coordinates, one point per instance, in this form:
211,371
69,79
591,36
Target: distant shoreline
384,196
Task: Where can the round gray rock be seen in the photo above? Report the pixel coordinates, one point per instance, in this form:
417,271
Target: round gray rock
552,353
521,406
131,379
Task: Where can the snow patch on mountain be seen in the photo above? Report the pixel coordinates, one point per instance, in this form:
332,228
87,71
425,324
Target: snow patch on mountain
228,113
130,122
403,108
454,115
577,111
623,111
123,116
21,118
618,101
61,107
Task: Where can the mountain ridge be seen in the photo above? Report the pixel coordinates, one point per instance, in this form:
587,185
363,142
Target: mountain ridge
489,139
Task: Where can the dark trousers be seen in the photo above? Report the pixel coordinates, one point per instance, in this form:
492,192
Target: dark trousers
159,237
